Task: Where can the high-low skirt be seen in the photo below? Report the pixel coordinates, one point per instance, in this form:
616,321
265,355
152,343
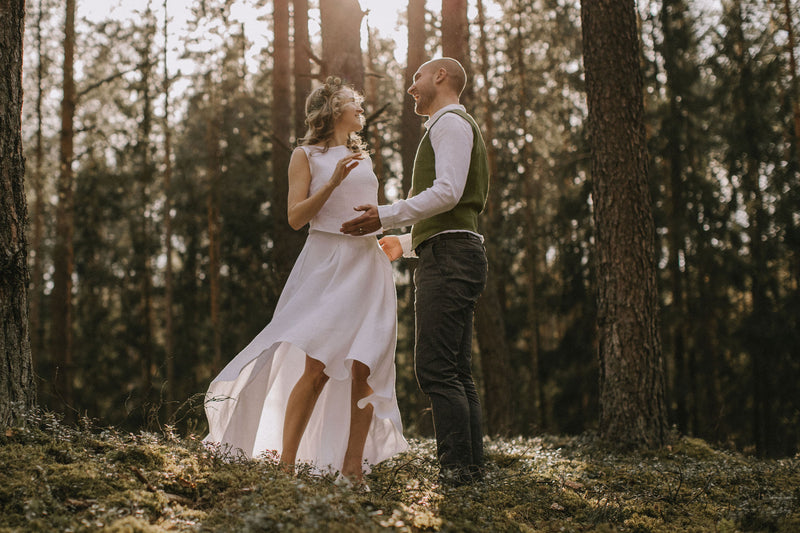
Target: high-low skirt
338,306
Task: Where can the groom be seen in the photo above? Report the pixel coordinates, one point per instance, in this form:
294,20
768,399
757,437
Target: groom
449,187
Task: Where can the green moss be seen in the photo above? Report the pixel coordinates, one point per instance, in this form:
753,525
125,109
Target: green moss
140,456
57,477
130,524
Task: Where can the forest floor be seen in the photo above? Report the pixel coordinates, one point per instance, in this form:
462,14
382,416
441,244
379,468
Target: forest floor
56,477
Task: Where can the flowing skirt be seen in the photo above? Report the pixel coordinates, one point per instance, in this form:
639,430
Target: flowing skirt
338,306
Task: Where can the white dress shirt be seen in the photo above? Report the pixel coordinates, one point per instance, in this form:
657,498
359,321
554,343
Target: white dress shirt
451,140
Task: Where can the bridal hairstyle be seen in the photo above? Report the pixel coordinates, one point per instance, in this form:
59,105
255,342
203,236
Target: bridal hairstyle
323,107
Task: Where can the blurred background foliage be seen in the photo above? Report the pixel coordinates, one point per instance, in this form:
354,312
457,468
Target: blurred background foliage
149,334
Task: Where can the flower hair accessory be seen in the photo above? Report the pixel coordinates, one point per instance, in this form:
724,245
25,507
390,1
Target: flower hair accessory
323,93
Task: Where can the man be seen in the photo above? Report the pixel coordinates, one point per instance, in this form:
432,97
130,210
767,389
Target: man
448,191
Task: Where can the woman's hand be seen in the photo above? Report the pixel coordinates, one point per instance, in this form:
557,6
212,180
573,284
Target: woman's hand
391,247
343,168
302,207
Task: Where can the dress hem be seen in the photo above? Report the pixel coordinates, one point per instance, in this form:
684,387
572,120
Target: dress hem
378,412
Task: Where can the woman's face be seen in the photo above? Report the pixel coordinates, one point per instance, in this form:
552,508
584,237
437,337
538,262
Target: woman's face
352,114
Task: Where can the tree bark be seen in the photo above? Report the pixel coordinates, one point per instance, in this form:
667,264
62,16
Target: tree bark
532,190
411,125
494,359
746,163
632,410
63,261
341,41
455,41
794,85
169,289
302,66
489,323
213,273
36,295
140,230
373,135
286,241
214,165
674,129
17,392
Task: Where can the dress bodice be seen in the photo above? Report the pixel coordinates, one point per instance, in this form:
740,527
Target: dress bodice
358,188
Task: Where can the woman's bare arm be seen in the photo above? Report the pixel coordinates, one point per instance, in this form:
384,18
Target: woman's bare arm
302,207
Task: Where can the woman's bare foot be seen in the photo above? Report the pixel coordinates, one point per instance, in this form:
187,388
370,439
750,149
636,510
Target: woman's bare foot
353,472
354,480
287,468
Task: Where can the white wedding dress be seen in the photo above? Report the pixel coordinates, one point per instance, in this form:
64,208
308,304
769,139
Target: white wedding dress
338,306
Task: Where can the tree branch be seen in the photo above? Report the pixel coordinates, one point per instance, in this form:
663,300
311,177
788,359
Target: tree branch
377,113
111,78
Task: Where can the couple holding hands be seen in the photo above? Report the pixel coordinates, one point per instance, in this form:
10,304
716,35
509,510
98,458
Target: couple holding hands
317,385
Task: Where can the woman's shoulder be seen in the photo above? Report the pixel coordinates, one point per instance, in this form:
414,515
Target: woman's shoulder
312,149
300,155
337,151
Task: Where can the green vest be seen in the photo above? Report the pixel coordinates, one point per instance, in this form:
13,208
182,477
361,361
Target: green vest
464,216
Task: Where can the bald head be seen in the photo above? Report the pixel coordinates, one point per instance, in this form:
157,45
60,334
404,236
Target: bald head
456,75
437,83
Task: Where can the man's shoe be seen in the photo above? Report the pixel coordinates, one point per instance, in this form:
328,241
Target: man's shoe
458,477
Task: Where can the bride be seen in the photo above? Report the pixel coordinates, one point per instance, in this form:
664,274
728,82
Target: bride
317,384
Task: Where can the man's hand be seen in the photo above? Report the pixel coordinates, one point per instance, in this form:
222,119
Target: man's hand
369,222
391,247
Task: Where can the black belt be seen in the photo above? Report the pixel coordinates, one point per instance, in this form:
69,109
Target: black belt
446,237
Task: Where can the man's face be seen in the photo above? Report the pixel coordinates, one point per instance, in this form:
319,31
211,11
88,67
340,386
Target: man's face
423,90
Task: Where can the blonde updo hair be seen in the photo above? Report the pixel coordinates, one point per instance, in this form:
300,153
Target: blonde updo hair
323,107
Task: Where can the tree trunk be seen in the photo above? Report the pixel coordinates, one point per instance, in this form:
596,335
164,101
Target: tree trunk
169,289
286,244
341,41
213,273
531,186
63,261
632,410
795,260
212,218
302,67
794,85
747,164
672,13
489,323
17,392
494,358
455,41
140,231
411,126
36,295
373,135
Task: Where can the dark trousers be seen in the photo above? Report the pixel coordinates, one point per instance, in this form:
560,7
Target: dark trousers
449,278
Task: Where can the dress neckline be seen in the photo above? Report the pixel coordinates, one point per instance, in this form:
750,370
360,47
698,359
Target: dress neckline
322,146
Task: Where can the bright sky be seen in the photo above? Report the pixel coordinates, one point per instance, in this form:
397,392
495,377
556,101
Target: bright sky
383,15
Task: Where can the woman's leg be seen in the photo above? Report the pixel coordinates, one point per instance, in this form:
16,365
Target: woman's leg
301,404
360,420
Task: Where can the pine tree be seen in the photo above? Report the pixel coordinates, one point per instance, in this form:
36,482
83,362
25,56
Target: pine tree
63,254
17,392
631,370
